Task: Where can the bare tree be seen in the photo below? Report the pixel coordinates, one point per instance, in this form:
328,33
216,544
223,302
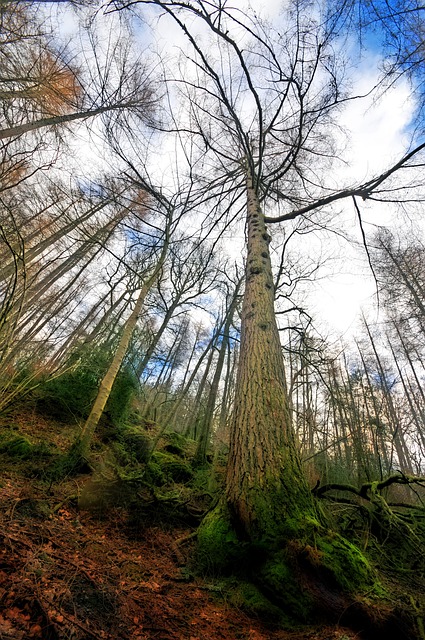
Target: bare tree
188,275
41,86
259,103
233,299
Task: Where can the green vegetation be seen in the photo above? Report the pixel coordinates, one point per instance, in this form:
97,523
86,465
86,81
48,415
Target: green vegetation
310,558
126,326
70,396
19,447
219,549
278,578
247,597
301,564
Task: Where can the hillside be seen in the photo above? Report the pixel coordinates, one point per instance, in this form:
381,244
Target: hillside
68,572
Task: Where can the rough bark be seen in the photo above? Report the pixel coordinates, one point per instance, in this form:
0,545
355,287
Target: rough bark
268,528
265,484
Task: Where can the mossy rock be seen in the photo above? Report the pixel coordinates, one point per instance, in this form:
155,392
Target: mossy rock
178,444
68,464
18,446
347,564
173,467
135,442
154,474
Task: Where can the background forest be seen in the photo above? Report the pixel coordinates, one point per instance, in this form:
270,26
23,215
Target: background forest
179,181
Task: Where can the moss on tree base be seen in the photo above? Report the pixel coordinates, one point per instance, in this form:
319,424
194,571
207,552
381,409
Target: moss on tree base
308,574
219,550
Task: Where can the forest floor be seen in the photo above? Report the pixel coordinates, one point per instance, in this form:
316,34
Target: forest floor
66,573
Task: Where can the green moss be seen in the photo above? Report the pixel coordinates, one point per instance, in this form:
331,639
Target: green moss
68,464
246,596
17,447
301,527
205,482
121,454
347,564
301,574
278,518
178,444
278,578
218,550
122,393
71,395
154,474
173,467
135,442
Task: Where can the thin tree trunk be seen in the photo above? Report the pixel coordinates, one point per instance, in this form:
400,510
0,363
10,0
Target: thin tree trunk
78,336
18,130
227,391
105,388
156,338
33,252
183,393
204,436
197,414
397,434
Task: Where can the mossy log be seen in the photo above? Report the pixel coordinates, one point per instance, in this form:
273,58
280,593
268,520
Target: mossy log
400,523
369,490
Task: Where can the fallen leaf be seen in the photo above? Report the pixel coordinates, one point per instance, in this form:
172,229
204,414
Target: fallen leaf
35,631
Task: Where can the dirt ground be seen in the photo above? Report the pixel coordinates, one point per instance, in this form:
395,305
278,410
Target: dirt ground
70,574
66,574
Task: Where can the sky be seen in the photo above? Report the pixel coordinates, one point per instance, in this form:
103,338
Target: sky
378,133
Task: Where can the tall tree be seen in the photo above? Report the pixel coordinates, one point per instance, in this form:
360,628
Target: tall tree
188,275
207,421
259,101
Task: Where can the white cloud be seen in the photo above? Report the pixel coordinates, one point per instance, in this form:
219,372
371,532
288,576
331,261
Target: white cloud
378,134
377,127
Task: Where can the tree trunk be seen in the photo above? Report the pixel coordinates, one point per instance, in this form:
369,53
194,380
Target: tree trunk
265,484
105,388
204,436
168,419
19,130
267,528
198,410
205,417
156,338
